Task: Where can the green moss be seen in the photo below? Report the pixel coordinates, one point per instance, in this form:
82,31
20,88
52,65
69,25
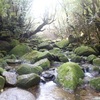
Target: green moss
2,82
3,63
75,58
90,58
34,56
95,83
96,62
63,43
14,42
58,53
30,55
27,69
69,75
2,70
44,63
20,50
84,51
37,69
28,80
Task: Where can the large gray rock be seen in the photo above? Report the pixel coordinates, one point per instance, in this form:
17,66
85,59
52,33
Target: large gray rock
16,94
11,77
28,80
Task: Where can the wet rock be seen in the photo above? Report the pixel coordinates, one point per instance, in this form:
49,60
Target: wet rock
62,44
90,58
28,80
16,94
58,55
11,77
2,82
29,68
13,61
96,62
45,45
84,51
20,50
48,75
34,56
95,83
75,58
69,75
44,63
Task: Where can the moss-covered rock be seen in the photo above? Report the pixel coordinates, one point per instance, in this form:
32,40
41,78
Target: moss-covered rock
2,82
62,44
45,45
3,63
14,42
75,58
20,50
90,58
95,83
84,51
2,70
57,53
96,62
69,75
28,80
44,63
28,68
34,56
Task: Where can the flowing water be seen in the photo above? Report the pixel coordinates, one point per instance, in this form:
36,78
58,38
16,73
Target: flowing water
50,91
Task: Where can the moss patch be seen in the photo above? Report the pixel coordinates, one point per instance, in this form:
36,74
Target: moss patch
20,50
69,75
95,83
2,82
63,43
84,51
96,62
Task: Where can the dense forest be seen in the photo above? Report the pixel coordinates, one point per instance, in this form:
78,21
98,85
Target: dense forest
70,57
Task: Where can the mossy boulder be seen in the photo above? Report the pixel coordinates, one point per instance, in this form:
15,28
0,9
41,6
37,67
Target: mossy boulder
84,51
34,56
58,54
45,45
95,83
3,63
62,44
2,70
96,62
90,58
28,80
2,82
44,63
69,75
75,58
20,50
28,68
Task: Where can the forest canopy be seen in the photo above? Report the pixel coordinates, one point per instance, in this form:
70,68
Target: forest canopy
80,18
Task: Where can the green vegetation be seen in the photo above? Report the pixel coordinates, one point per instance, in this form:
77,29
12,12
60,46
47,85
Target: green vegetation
95,83
84,51
69,75
2,82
